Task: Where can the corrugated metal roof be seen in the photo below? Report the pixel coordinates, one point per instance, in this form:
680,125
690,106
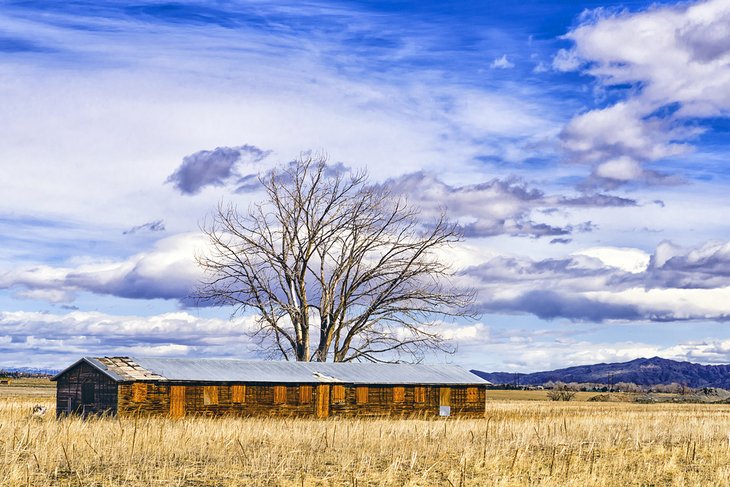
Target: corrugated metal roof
226,370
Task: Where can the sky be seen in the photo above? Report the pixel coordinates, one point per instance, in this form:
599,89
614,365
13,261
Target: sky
581,146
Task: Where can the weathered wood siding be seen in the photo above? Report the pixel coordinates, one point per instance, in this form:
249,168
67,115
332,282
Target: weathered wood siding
318,400
84,390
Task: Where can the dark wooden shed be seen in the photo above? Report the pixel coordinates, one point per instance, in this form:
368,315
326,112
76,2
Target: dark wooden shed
127,386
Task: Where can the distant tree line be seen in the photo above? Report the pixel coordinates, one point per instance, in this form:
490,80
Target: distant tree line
673,388
4,374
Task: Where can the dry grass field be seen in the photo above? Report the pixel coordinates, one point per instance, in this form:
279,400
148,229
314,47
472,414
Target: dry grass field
517,443
519,395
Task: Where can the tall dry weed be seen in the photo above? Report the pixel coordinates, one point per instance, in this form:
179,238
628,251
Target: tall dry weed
517,443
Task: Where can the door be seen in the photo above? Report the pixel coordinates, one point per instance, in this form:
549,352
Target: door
177,401
323,401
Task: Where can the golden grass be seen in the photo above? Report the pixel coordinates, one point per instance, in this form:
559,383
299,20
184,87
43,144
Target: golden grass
536,395
519,443
28,387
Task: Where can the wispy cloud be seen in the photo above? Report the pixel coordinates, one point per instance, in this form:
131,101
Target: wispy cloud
155,226
502,63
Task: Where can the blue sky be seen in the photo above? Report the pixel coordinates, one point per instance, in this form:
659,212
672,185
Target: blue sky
583,146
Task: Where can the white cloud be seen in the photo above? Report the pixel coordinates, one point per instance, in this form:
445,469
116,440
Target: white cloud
669,304
548,353
540,67
196,89
610,284
622,168
566,60
498,206
168,271
501,63
626,259
675,57
57,340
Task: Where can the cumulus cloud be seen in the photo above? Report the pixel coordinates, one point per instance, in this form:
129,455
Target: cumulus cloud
57,340
604,283
704,267
626,259
498,206
168,271
676,60
215,167
595,284
617,142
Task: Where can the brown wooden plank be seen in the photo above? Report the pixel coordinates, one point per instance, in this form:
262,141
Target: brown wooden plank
376,400
399,394
323,401
238,393
445,396
338,394
361,394
305,394
139,392
419,394
210,395
472,395
279,394
177,401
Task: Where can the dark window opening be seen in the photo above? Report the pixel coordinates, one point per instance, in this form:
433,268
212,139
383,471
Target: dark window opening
87,393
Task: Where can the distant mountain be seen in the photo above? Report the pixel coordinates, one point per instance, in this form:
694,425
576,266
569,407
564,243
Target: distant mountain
28,371
642,371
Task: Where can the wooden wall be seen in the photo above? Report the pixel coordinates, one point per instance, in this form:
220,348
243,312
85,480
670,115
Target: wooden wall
275,400
84,390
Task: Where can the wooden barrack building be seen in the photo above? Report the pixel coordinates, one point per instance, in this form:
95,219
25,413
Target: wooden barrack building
126,386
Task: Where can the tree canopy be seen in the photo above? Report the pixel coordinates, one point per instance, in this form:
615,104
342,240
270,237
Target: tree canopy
335,268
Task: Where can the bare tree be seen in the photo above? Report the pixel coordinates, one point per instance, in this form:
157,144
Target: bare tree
334,267
561,392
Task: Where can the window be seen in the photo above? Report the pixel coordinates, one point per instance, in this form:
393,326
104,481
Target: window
87,393
279,394
210,395
305,394
399,394
419,394
238,393
139,392
472,395
361,394
338,394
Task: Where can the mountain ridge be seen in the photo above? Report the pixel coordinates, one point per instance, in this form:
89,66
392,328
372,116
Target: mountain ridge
642,371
